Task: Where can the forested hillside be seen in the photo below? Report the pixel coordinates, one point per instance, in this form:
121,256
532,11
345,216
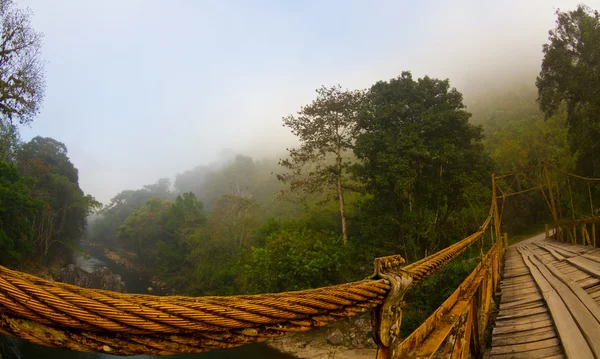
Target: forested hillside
414,178
401,167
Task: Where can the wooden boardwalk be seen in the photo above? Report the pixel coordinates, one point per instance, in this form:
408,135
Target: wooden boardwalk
550,302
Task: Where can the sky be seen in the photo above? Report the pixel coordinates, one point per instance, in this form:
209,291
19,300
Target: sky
139,90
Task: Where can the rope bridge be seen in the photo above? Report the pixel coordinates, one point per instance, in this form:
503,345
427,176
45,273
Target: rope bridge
87,320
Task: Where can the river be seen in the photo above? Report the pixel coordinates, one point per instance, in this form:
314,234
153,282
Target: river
135,284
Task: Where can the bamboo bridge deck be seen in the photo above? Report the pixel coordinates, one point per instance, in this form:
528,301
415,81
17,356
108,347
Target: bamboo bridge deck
550,301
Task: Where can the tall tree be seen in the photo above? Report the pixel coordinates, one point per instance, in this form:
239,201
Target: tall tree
21,68
54,181
420,160
570,74
325,129
104,227
17,211
144,228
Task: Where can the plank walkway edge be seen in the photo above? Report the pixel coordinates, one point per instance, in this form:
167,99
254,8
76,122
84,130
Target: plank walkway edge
573,341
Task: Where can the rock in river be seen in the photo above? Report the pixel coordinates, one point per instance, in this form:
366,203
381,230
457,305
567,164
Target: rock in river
101,278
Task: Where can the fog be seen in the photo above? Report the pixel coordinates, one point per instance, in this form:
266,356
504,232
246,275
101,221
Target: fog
139,90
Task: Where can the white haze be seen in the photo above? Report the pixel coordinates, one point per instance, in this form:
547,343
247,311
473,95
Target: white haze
139,90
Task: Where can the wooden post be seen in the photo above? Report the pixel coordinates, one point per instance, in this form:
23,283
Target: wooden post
571,199
547,231
495,208
585,235
594,234
591,201
552,203
505,240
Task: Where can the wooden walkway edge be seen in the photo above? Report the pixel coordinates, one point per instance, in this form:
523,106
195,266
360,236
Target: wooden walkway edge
549,302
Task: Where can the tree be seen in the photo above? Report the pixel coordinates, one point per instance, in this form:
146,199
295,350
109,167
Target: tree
9,142
54,181
17,211
570,74
21,68
104,228
421,160
295,259
325,129
144,228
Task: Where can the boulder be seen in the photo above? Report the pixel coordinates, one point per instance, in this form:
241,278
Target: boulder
336,337
101,278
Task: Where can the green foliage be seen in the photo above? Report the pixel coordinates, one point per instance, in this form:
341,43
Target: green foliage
16,212
54,181
143,229
297,258
424,298
518,138
421,161
9,142
104,227
570,74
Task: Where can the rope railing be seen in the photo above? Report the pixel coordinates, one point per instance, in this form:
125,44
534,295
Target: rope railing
81,319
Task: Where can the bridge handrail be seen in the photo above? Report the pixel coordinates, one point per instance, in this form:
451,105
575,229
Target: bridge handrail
464,315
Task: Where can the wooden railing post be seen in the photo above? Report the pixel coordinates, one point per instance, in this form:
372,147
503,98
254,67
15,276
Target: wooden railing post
495,208
387,317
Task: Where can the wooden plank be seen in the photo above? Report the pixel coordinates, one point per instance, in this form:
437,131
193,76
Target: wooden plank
517,280
563,252
586,265
567,268
520,320
554,253
518,296
512,287
591,257
588,324
530,336
588,282
515,274
522,327
540,353
522,313
525,347
511,284
593,251
579,275
520,303
527,305
577,291
574,342
515,294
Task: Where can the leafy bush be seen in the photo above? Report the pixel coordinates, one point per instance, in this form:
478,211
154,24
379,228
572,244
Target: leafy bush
297,258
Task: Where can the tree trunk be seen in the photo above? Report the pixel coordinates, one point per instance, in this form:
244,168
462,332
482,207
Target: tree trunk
341,198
